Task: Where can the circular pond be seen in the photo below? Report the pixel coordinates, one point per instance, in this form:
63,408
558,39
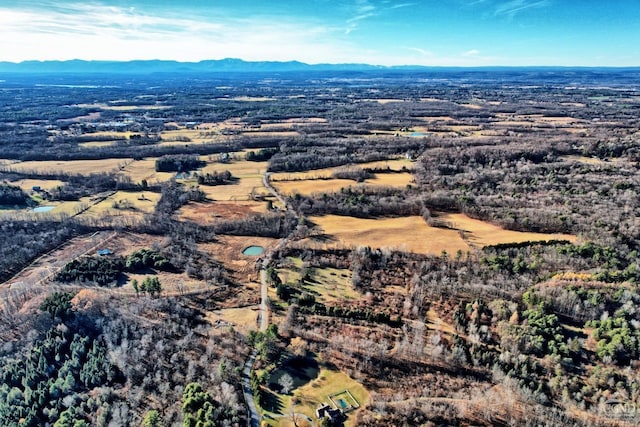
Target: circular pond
253,251
41,209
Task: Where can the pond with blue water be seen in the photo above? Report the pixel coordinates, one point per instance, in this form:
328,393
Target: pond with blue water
41,209
253,251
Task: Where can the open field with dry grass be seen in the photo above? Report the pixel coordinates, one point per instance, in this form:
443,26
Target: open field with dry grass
481,233
84,167
411,234
228,250
62,208
242,319
328,285
249,182
138,170
125,203
415,235
45,184
311,186
97,144
397,165
211,212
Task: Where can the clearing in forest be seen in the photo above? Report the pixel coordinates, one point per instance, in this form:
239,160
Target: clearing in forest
481,233
327,285
411,234
136,203
248,185
311,186
209,213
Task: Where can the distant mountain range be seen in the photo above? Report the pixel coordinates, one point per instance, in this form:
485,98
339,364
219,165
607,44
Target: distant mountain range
161,66
228,65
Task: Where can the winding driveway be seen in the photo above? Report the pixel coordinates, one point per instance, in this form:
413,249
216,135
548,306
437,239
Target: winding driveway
254,415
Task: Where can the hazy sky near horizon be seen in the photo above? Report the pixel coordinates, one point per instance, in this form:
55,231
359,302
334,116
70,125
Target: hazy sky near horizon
384,32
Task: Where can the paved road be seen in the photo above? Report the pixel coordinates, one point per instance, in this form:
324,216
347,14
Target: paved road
254,416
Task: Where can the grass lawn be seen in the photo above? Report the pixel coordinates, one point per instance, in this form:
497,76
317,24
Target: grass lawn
311,395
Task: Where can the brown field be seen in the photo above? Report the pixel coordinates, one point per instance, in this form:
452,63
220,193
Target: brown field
115,135
141,202
387,101
392,164
196,136
415,235
97,144
250,180
480,233
310,186
146,169
228,250
242,319
172,283
211,212
45,184
391,179
65,208
84,167
411,234
472,106
436,119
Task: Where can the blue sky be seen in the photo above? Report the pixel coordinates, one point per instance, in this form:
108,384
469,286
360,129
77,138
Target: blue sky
384,32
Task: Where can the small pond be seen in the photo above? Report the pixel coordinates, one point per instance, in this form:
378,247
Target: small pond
253,251
41,209
417,134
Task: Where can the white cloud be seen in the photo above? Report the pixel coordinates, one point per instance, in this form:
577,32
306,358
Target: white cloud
513,7
421,51
91,31
471,53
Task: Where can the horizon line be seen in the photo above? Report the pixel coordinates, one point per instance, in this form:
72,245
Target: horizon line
355,64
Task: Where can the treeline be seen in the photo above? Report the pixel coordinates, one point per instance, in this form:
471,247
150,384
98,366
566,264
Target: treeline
11,195
179,163
101,270
261,155
174,195
263,225
216,178
21,241
308,154
362,202
31,150
106,270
